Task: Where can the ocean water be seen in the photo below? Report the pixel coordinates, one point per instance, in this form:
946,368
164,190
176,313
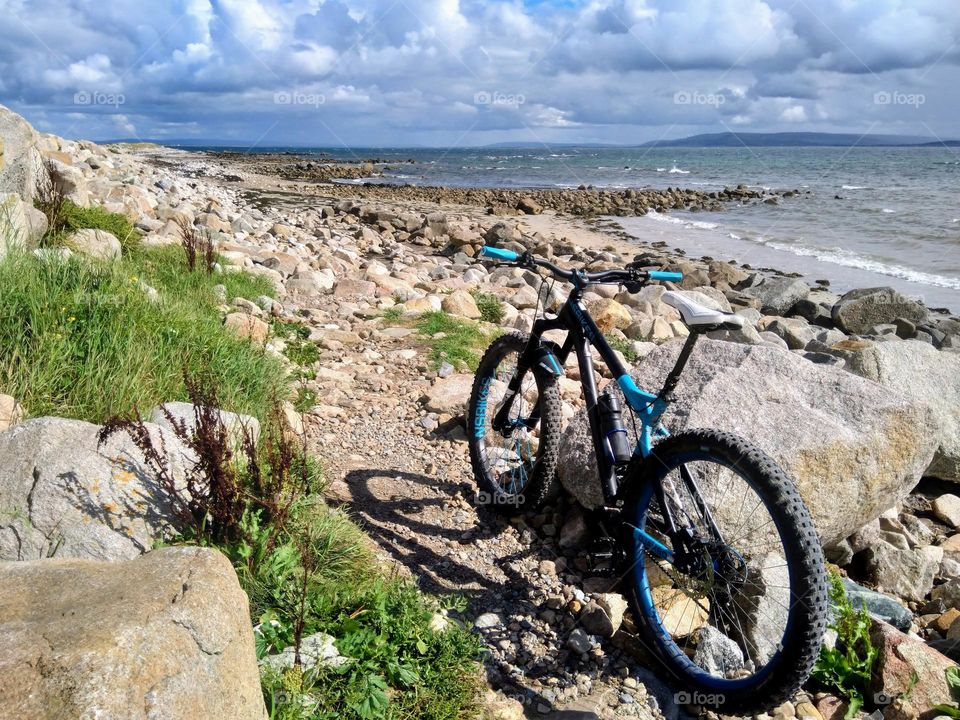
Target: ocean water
873,216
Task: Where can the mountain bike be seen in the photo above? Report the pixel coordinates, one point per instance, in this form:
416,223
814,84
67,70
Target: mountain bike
717,552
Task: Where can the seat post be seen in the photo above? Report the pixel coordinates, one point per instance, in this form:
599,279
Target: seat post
674,376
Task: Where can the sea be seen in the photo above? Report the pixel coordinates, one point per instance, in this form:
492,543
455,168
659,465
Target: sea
864,217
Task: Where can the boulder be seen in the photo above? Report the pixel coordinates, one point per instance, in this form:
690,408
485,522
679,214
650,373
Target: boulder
64,496
858,311
462,304
95,243
14,227
247,326
946,507
924,374
777,295
902,571
311,282
609,314
20,161
164,636
853,447
906,665
185,414
450,394
350,287
11,412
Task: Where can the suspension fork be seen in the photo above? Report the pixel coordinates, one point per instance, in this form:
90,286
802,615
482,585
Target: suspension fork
548,354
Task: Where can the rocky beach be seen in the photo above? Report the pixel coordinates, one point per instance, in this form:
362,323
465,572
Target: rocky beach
855,394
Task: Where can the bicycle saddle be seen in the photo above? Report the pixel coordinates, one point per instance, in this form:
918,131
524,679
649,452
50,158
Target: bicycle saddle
696,315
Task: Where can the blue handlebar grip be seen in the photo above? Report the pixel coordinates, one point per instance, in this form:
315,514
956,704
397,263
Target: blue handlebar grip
664,275
499,253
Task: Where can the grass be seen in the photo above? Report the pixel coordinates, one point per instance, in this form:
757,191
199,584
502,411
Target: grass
82,339
393,314
489,305
299,348
400,667
70,217
624,347
454,340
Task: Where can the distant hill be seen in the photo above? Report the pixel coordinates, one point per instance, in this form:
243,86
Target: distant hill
799,139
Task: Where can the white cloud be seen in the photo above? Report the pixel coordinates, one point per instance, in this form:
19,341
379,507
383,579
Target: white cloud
392,72
794,114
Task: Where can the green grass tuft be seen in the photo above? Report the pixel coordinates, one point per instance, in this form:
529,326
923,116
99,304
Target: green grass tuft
72,217
490,306
623,347
82,339
393,314
453,340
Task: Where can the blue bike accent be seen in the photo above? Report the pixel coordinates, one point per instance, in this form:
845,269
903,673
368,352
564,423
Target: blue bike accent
499,253
648,408
664,275
479,429
654,545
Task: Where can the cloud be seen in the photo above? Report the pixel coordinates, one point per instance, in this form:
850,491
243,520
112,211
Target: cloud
794,114
411,71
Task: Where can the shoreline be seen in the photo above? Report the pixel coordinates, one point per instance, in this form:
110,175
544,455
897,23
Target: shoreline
562,214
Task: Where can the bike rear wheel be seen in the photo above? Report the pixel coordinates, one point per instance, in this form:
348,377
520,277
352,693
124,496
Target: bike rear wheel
514,465
738,610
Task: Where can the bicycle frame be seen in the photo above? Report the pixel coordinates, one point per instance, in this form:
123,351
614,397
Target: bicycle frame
582,333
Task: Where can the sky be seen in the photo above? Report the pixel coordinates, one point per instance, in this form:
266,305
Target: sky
368,73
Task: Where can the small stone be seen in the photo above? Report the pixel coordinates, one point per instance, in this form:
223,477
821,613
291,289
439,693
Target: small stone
947,508
579,641
487,620
446,370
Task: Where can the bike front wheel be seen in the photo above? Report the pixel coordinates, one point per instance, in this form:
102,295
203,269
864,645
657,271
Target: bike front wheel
514,459
726,571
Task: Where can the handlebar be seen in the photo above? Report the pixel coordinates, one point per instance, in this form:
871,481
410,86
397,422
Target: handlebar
612,277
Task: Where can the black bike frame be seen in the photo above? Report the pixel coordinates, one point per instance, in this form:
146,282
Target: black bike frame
582,333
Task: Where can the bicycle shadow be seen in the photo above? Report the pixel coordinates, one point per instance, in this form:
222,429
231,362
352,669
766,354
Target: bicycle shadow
404,514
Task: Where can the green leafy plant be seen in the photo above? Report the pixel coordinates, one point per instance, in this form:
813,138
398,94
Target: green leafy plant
847,667
953,682
623,347
490,306
306,399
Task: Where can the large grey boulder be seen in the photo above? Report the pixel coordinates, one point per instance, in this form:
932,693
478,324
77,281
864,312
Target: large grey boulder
14,225
923,373
858,311
162,637
185,415
777,295
62,496
95,243
853,447
20,160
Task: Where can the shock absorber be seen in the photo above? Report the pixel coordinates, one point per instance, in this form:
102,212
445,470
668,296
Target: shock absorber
614,433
